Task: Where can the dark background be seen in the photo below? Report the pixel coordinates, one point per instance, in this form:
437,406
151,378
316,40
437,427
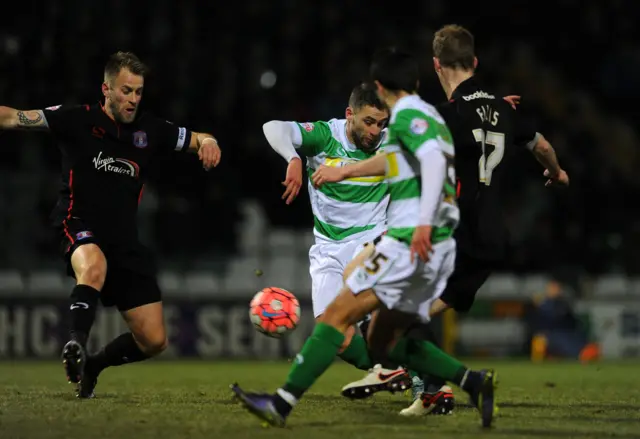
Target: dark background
575,62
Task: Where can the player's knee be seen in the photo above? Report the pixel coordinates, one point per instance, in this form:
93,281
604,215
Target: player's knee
339,315
348,336
93,275
90,266
153,344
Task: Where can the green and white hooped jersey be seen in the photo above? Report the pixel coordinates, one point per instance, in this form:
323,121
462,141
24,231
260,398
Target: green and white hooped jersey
349,209
414,128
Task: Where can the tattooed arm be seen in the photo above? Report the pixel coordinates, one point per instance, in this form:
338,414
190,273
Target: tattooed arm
12,119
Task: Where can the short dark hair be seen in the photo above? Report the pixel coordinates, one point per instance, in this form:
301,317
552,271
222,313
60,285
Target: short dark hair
365,94
124,60
396,70
454,46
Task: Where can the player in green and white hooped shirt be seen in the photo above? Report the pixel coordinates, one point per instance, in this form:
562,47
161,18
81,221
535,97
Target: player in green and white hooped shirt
414,258
347,214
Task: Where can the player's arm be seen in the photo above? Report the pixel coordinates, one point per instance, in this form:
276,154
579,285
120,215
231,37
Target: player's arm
284,138
200,139
12,119
169,137
544,153
207,148
427,137
289,138
433,172
546,156
541,149
375,165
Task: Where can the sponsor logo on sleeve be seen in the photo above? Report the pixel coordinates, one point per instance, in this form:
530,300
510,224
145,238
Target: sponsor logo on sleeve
182,136
419,126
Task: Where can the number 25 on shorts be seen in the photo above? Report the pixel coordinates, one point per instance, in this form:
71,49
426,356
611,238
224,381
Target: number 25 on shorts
372,265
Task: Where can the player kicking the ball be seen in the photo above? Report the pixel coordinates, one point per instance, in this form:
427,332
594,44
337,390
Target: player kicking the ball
107,152
348,214
404,272
486,133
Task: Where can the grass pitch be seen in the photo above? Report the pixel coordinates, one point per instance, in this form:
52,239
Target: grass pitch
192,400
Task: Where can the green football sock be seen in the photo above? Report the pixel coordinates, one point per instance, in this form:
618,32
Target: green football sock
357,353
427,359
317,354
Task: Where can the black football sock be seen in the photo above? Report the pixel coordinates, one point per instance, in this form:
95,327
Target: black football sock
468,380
121,350
84,301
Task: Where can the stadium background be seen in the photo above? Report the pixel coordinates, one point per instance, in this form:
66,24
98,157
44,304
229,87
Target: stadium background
229,67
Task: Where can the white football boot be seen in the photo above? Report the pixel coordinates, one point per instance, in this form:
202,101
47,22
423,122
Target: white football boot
438,403
378,380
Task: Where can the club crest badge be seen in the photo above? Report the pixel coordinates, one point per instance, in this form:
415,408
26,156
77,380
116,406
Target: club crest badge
140,139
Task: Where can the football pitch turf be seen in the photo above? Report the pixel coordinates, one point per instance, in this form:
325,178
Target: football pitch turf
192,400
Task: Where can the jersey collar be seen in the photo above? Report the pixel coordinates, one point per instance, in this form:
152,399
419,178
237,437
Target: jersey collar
465,87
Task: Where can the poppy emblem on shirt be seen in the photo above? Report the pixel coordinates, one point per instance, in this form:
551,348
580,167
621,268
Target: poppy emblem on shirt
308,127
83,235
140,139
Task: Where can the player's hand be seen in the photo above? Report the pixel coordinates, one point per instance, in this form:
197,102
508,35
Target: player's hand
293,180
209,154
561,179
421,243
327,174
513,100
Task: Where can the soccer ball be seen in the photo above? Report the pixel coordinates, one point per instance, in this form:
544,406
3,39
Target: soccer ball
274,312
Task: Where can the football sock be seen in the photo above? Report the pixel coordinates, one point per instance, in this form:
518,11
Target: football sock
432,383
357,353
121,350
427,359
317,354
84,301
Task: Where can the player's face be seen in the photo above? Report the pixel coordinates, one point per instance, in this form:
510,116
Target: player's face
125,94
367,124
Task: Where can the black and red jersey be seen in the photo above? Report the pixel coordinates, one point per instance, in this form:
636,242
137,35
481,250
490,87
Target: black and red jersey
105,164
486,131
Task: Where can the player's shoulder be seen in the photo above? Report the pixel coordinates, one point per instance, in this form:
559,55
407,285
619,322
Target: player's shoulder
147,118
64,117
149,121
337,127
413,104
477,93
317,127
411,108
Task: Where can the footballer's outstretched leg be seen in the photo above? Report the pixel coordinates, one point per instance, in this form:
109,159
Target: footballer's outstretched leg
316,356
146,339
264,406
90,267
427,358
